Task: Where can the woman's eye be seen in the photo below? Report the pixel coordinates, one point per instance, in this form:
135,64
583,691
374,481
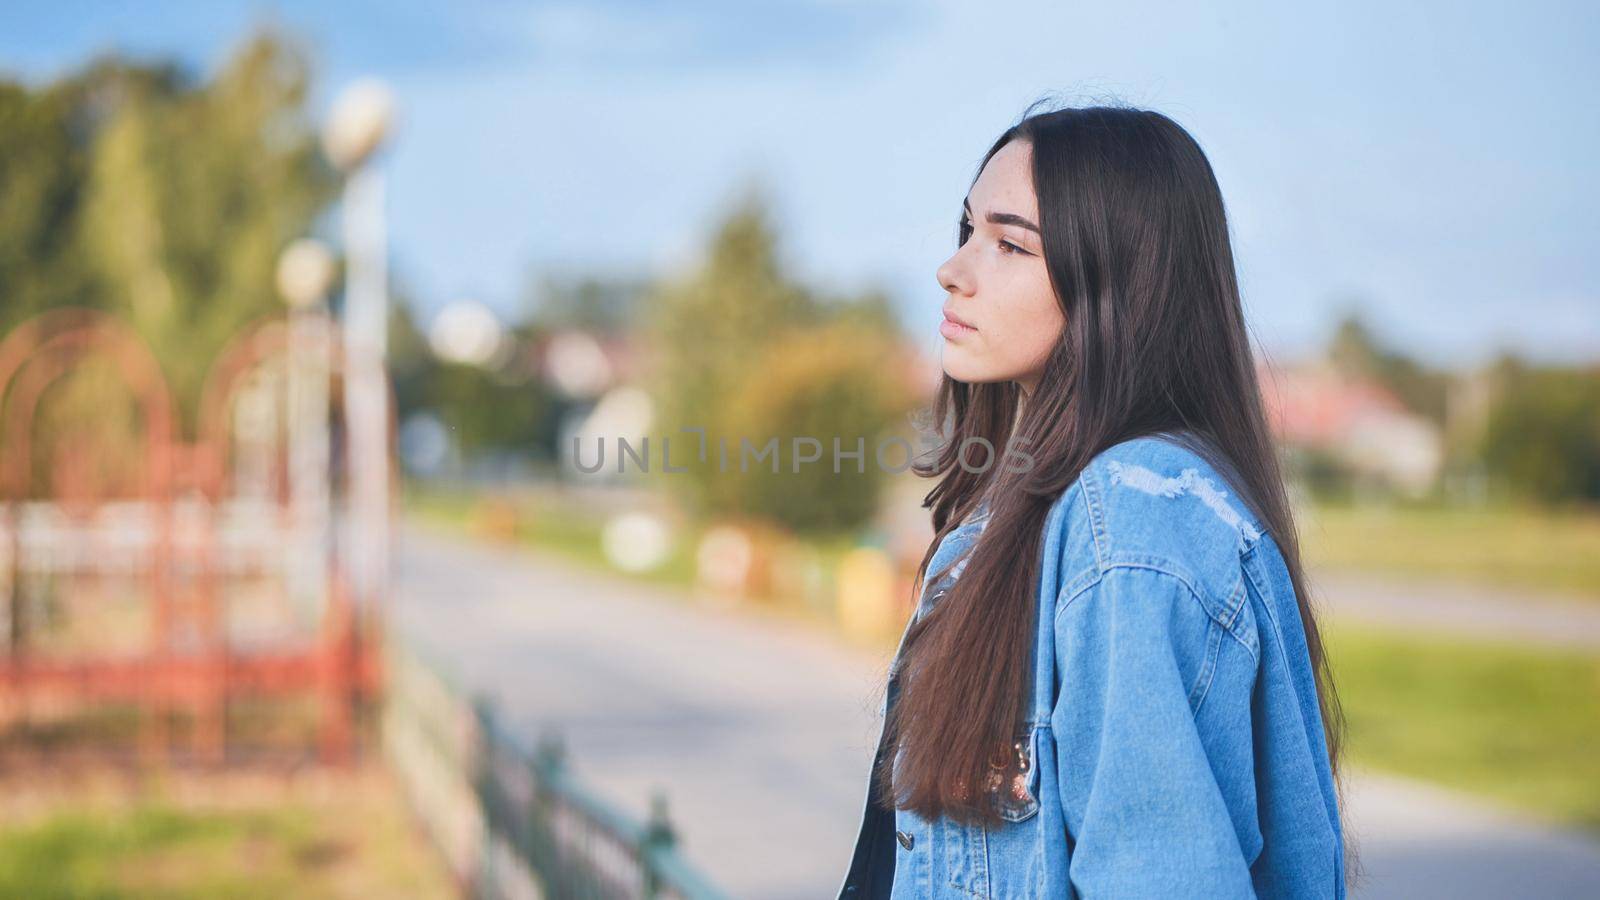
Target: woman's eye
1004,245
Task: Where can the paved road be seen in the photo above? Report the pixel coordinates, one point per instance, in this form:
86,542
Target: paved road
761,731
1421,841
1471,610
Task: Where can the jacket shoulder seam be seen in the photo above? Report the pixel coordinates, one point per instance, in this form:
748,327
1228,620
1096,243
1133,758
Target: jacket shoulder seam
1228,618
1215,627
1092,511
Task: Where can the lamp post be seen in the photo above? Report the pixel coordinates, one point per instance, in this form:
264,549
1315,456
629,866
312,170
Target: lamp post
361,119
466,333
305,274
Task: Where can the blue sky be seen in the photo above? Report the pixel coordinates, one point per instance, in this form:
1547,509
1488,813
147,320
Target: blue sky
1435,167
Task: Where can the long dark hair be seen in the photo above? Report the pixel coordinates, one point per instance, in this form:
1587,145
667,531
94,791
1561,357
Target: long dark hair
1136,244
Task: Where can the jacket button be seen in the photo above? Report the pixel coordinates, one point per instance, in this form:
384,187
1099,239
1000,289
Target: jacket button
905,838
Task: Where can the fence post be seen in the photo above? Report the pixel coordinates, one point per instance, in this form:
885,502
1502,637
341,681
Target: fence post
549,757
482,774
658,838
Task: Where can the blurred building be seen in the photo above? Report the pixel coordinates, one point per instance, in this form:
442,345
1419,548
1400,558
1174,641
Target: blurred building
1355,420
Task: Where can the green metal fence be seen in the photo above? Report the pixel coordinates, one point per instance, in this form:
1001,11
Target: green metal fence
511,820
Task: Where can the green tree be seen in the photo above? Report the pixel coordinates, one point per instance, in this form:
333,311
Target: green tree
1357,352
190,194
163,199
1542,437
594,304
501,407
41,180
746,352
835,384
713,327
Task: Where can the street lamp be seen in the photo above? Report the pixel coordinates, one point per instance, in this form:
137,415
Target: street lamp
467,333
305,275
358,124
361,120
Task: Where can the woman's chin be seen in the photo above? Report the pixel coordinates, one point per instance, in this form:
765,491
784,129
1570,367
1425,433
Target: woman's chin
964,371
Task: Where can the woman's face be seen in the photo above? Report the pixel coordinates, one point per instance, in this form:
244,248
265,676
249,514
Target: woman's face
996,283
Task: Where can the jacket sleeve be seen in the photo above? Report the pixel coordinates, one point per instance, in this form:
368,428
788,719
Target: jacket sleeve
1144,812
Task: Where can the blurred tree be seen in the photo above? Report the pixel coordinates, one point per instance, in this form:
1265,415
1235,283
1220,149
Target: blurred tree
500,407
598,305
830,383
712,329
872,311
745,352
191,194
411,363
1357,352
1322,473
41,180
138,189
486,411
1542,439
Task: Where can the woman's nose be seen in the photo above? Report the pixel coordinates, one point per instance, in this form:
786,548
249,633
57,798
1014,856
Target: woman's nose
951,278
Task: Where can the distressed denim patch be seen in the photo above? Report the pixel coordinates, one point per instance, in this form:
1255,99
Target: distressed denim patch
1189,481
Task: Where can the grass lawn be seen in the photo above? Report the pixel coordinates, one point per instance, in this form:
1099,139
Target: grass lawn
1517,725
1544,552
555,525
330,835
571,533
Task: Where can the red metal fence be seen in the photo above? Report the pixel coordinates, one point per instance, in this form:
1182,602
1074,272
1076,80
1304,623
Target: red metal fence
178,539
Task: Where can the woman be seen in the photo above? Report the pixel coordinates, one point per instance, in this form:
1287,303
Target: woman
1113,639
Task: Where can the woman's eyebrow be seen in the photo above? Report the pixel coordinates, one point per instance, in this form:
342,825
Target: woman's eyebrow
999,218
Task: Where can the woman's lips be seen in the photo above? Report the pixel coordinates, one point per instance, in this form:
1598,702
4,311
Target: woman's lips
953,328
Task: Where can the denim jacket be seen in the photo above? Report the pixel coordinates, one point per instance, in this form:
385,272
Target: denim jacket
1175,745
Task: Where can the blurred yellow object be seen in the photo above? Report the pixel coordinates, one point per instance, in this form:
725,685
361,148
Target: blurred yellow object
495,519
866,582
